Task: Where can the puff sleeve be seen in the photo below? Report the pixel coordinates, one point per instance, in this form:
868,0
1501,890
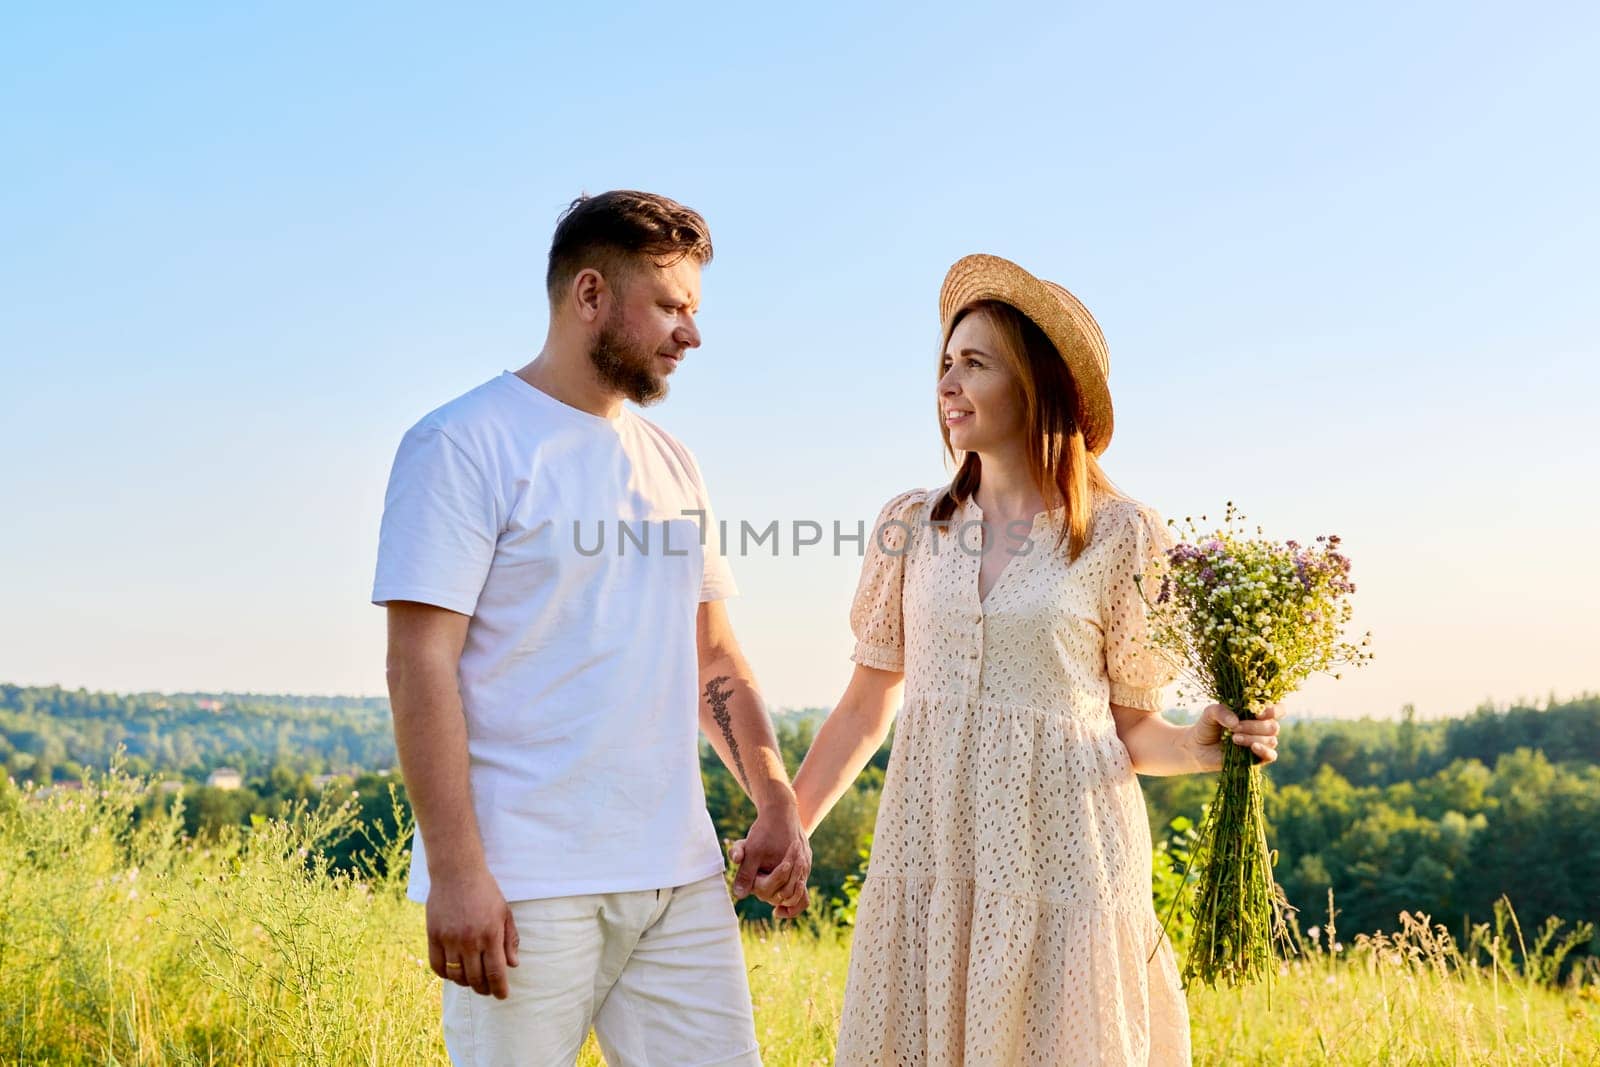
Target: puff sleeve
875,613
1137,672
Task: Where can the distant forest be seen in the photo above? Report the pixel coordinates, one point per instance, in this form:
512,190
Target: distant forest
1438,816
50,733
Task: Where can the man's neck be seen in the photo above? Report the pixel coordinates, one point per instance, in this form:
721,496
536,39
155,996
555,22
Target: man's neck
564,372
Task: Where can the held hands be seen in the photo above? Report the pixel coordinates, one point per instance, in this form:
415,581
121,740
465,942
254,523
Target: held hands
472,937
1260,734
774,861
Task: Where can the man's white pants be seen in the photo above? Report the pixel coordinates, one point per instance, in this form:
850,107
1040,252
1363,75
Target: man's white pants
659,974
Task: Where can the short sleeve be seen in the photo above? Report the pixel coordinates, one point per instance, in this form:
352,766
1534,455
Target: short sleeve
875,613
1137,672
716,579
441,522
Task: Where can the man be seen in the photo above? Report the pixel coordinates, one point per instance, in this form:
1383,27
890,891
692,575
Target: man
555,631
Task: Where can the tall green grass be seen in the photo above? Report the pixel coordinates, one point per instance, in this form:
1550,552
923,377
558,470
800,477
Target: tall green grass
133,945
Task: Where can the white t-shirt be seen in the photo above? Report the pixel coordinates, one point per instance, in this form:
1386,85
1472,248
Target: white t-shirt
563,535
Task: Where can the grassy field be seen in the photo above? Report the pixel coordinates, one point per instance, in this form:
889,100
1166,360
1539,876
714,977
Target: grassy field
121,947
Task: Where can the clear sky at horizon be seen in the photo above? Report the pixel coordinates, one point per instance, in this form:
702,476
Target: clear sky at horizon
1345,259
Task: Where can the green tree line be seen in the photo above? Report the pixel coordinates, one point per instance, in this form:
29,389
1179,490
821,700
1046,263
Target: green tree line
1439,816
52,734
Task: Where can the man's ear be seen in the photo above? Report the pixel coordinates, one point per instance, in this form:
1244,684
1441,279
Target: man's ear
591,295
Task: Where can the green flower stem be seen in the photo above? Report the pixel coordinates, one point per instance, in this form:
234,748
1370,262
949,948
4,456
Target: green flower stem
1235,908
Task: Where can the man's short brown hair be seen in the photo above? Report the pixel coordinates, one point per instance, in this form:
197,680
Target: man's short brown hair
610,231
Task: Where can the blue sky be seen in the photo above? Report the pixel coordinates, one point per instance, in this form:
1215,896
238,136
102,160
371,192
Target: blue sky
1344,258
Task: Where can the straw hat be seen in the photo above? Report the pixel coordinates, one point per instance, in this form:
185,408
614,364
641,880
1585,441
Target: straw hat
1065,321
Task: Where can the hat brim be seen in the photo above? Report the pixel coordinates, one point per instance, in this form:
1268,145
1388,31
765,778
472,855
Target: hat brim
1059,314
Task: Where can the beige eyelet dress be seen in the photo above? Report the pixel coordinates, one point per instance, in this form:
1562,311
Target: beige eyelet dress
1006,917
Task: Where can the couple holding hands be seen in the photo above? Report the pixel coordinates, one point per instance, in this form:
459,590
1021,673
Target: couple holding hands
548,700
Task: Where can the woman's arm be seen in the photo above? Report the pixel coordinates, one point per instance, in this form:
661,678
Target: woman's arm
849,736
1158,747
852,733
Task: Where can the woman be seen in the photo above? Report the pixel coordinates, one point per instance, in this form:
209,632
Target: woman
1006,917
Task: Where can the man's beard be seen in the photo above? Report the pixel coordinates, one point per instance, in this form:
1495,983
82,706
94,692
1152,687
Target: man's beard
625,367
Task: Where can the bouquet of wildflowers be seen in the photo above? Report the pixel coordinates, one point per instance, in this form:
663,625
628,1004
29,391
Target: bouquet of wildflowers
1247,621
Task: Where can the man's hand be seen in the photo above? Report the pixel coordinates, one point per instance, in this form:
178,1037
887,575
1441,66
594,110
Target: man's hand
774,861
472,938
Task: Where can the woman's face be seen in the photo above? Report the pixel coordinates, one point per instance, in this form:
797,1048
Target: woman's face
979,395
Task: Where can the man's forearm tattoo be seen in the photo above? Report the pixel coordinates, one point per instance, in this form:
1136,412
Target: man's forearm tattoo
717,694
